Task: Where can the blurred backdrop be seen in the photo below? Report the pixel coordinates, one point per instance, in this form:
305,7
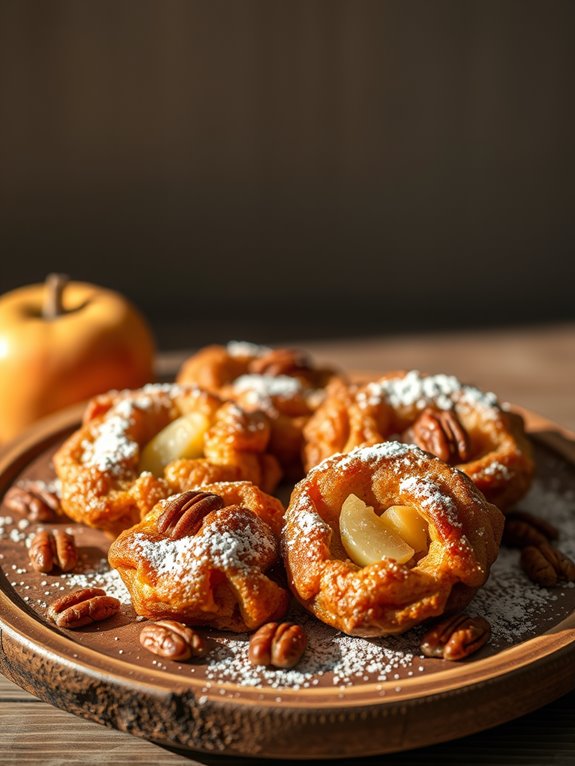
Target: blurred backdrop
280,170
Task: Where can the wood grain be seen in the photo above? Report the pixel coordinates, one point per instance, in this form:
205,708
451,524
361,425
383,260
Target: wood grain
33,733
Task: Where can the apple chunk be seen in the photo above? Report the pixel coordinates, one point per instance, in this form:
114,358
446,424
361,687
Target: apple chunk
182,438
367,538
408,524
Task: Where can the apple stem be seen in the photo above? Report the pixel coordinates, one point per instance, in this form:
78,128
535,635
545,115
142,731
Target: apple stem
55,286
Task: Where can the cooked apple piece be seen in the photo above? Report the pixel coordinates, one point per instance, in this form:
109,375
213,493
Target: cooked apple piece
367,538
182,438
405,521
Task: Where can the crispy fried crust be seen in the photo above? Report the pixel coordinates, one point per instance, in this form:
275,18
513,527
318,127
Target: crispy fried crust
214,367
216,577
98,466
352,415
386,597
283,383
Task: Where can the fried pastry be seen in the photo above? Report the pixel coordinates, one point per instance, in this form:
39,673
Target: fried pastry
462,425
284,383
137,447
203,558
382,538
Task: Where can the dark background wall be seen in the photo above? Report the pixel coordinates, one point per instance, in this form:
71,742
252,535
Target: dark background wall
294,168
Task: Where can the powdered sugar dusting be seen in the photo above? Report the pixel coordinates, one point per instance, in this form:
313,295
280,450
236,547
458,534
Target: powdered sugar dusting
264,392
497,470
88,573
510,601
421,391
100,576
267,386
184,560
153,391
112,449
306,521
372,454
15,529
244,348
348,660
429,495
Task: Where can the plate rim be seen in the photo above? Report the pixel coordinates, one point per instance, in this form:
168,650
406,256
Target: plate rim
21,629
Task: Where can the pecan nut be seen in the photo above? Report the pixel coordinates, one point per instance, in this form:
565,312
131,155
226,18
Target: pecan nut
51,550
519,534
456,637
546,565
83,607
545,528
280,644
563,563
34,500
441,433
280,361
183,514
172,640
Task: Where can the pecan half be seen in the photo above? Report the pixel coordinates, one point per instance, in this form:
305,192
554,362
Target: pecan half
523,528
184,513
51,550
546,565
82,607
441,433
519,534
280,644
172,640
456,637
34,500
280,361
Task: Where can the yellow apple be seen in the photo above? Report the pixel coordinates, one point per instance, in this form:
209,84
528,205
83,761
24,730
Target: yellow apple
62,342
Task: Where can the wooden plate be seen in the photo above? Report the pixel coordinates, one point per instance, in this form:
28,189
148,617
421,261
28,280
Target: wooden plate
353,697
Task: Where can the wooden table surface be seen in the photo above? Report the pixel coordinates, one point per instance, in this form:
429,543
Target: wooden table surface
532,367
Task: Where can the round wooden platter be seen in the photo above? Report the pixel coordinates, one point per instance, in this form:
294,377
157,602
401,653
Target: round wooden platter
102,673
